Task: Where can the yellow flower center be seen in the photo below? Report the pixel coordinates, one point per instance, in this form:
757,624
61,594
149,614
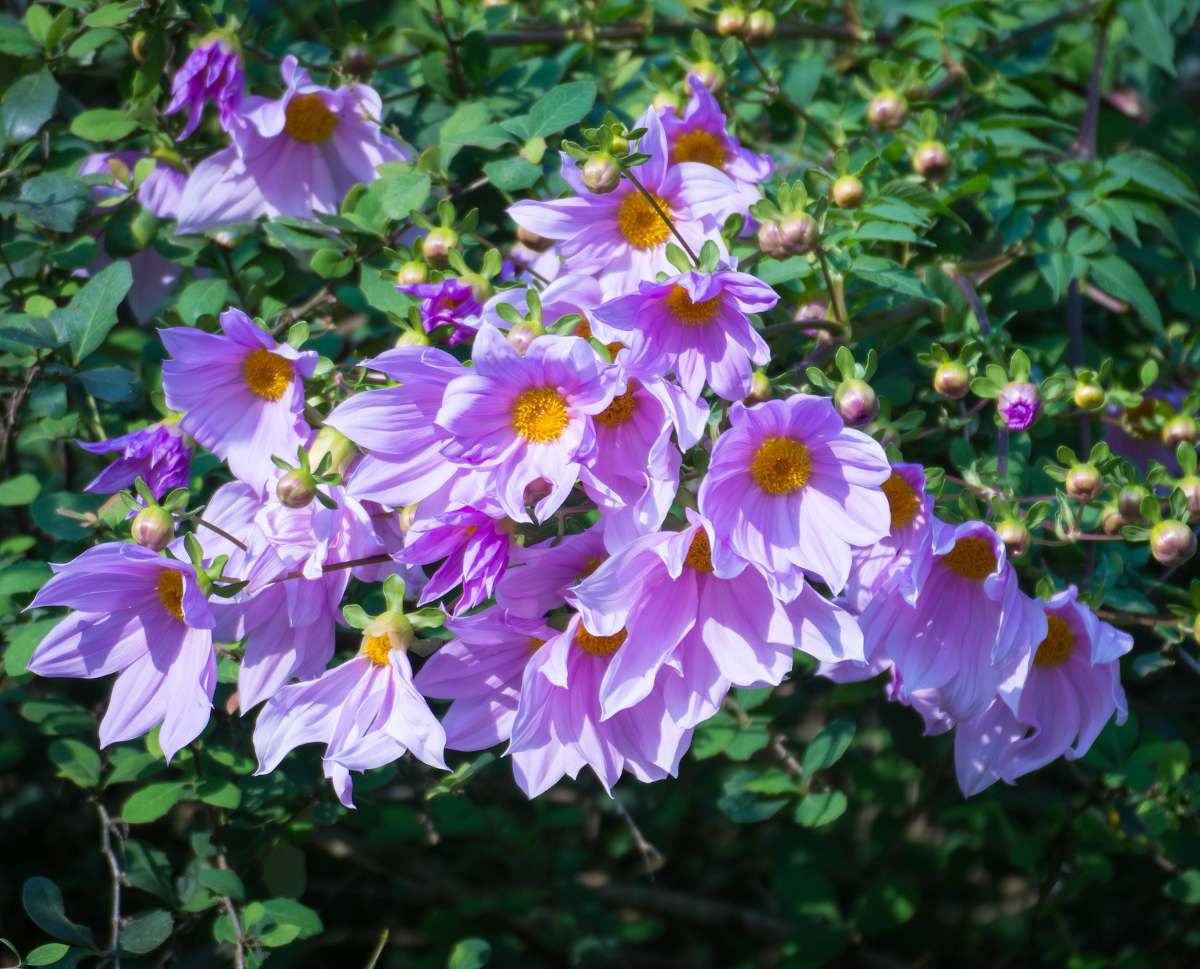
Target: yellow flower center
376,648
267,374
169,586
540,415
699,553
679,302
699,145
1058,645
589,567
639,224
781,465
599,645
535,644
308,119
620,411
902,501
971,558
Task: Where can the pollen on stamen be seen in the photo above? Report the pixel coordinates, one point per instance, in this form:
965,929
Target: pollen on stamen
169,586
1058,645
699,553
700,146
621,410
308,119
971,558
599,645
902,501
690,313
781,465
376,648
641,226
266,374
540,415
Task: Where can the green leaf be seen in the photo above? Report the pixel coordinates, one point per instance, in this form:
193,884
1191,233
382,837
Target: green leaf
43,903
131,764
114,384
76,761
27,105
22,641
222,881
92,312
396,196
278,921
1149,33
51,201
470,954
57,717
331,263
1184,887
111,14
1117,278
146,931
19,490
204,297
219,793
561,107
891,275
828,746
821,808
152,802
47,955
103,124
512,174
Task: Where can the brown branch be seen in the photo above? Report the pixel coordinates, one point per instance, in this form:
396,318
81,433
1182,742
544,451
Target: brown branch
14,409
215,528
662,215
460,79
114,870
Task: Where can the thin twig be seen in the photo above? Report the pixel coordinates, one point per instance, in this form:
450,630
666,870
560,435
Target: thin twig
834,298
460,79
14,409
215,528
652,858
662,215
114,870
779,748
239,950
378,950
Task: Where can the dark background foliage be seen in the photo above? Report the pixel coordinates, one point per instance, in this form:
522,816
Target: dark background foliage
813,825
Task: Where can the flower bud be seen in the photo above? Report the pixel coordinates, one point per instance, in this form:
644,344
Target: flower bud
848,192
601,174
952,379
1018,405
481,288
139,46
1178,430
384,633
856,402
730,21
1172,542
770,239
413,338
1088,396
296,489
333,442
1129,502
708,74
358,62
1111,521
437,246
665,100
522,335
1190,486
405,518
1084,482
153,528
810,312
412,273
760,389
931,160
1015,537
799,233
760,26
531,239
887,110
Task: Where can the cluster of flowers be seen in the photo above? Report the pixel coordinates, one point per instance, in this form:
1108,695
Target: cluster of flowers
602,647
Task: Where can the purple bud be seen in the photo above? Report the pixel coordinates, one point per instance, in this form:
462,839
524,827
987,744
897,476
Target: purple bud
153,528
1190,486
1015,537
770,239
887,110
1172,542
521,336
798,232
856,402
1179,430
1129,502
1018,405
1084,482
437,245
952,379
296,489
810,312
931,160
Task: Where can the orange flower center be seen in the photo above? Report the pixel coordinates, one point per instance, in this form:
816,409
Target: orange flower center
639,224
266,374
699,553
699,145
902,501
971,558
690,313
621,410
1058,645
781,465
540,415
169,586
599,645
308,119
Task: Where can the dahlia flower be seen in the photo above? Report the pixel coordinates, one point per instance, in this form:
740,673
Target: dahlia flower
242,393
475,546
158,454
566,295
1071,688
619,236
141,615
295,156
447,303
694,324
539,576
212,72
1018,405
792,490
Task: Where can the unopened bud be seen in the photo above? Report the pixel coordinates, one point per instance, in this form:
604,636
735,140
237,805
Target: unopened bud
770,239
1190,486
481,288
1129,502
521,336
358,62
856,402
1088,396
848,192
139,47
1084,482
333,442
531,239
730,21
601,174
952,380
708,74
413,338
810,312
799,233
437,246
412,273
1179,430
1112,521
1015,537
760,389
296,489
666,101
153,528
931,160
1172,542
760,26
887,110
405,518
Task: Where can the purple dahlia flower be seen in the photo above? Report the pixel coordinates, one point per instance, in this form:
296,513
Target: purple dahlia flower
447,303
475,546
212,72
792,489
1018,405
242,393
141,615
540,576
158,454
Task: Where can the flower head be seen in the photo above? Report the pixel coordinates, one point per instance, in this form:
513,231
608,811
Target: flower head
158,454
293,157
695,325
539,576
793,490
242,393
619,235
212,72
1070,688
1018,405
145,617
447,303
526,418
475,546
